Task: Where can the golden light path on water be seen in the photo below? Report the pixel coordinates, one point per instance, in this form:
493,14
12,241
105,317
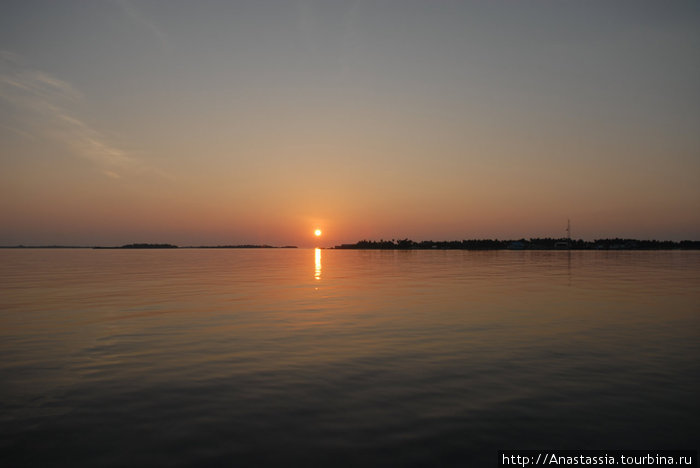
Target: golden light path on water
317,273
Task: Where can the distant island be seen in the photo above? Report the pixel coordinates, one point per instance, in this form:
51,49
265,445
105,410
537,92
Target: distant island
171,246
546,243
244,246
142,246
148,246
523,244
45,247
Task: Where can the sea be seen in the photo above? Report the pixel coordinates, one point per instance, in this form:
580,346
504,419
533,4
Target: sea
321,357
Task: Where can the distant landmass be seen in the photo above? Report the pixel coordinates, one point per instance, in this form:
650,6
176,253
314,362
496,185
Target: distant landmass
44,247
148,246
408,244
523,244
171,246
142,246
244,246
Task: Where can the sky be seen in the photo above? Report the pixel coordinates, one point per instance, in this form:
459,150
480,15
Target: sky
233,122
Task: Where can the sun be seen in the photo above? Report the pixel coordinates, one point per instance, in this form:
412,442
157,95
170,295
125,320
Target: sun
318,233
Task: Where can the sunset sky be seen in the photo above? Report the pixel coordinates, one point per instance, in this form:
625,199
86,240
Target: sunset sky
231,122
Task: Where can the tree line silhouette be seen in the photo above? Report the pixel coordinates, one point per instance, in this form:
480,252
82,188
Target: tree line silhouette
546,243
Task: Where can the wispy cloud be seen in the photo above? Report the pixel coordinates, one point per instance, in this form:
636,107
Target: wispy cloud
135,15
43,106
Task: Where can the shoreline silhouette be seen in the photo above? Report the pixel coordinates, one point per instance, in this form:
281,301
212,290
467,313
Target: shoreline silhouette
142,246
148,246
408,244
547,243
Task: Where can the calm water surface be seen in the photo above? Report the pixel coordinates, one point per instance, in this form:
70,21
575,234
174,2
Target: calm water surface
326,358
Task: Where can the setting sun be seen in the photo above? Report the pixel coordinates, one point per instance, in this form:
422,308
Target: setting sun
317,233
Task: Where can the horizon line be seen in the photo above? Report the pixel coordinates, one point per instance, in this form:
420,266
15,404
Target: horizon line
394,241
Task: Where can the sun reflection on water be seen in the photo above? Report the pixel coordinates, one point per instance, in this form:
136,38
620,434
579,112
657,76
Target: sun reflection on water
317,273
